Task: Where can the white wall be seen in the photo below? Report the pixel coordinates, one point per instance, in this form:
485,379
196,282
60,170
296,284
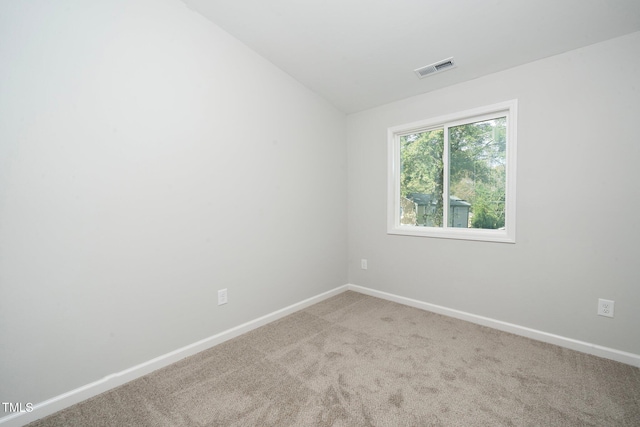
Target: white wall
577,201
148,159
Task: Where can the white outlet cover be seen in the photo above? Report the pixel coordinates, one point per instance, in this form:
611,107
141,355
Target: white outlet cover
222,296
605,307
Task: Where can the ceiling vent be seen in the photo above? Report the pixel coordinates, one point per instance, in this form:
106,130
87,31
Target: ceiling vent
445,64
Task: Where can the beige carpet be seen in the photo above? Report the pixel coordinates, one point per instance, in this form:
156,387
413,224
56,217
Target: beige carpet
355,360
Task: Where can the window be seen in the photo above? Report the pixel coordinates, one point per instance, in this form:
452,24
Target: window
454,176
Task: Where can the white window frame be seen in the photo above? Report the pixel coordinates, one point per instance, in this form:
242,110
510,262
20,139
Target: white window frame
505,235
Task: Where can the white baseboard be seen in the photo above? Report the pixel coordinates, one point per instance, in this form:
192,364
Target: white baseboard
584,347
55,404
72,397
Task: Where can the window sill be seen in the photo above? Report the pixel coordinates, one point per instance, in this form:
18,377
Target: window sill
499,236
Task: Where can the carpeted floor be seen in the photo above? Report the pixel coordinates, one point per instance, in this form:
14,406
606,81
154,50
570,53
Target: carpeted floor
356,360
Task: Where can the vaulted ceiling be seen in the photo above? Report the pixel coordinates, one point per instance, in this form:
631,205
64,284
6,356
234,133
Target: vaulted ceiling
360,54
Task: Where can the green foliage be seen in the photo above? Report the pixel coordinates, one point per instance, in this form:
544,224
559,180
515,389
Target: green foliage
422,166
477,171
487,211
421,162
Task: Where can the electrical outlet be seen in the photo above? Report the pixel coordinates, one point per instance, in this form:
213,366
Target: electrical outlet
605,307
363,264
222,296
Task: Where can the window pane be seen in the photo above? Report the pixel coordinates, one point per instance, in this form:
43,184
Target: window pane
421,178
477,176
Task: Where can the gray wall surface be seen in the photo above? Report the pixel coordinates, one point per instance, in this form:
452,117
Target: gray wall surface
577,172
148,159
